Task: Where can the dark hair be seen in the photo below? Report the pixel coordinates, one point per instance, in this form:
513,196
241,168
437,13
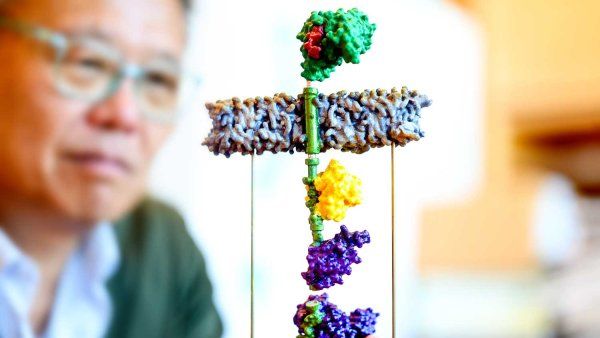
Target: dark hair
186,4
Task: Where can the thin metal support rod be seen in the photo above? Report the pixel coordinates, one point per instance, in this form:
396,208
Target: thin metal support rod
252,179
393,236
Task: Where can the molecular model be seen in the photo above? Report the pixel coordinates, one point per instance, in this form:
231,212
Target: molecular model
312,123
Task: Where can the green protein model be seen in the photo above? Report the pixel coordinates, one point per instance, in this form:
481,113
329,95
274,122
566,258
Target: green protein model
312,319
332,37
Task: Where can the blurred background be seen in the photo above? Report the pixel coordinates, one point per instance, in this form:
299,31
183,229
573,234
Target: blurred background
497,208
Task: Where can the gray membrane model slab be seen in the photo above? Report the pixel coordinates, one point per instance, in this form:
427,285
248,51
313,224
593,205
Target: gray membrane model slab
349,121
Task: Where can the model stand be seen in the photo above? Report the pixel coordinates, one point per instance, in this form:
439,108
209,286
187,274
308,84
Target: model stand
313,123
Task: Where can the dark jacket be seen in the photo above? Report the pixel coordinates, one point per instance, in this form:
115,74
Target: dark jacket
161,288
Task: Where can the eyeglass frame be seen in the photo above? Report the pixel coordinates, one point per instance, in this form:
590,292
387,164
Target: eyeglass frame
60,42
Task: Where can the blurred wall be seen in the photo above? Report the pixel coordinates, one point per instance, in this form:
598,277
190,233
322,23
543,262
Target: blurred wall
484,260
542,102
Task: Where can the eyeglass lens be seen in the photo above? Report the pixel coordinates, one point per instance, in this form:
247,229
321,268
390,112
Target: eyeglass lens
91,70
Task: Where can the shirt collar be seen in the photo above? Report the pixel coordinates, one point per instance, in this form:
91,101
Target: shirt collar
10,254
99,251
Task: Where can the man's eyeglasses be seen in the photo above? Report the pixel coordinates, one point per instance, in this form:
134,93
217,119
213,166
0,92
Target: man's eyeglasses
87,68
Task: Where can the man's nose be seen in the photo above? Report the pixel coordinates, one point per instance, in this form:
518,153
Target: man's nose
118,112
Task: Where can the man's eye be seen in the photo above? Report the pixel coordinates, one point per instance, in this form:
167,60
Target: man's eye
157,79
92,63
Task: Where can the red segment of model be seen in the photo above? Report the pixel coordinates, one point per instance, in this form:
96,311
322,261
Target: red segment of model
313,44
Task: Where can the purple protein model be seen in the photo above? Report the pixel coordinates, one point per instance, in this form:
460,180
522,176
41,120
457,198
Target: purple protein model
331,260
318,318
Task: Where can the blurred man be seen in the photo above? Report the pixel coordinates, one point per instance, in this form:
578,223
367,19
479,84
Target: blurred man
88,93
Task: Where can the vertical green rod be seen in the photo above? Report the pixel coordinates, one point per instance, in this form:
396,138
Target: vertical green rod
311,112
313,147
252,245
393,236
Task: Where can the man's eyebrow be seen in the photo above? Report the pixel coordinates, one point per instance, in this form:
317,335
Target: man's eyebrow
93,32
104,36
168,57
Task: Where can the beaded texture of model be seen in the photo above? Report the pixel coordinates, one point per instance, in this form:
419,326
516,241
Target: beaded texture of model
338,190
329,261
330,38
348,121
318,318
313,122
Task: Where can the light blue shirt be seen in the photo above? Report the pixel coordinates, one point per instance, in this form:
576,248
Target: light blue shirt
82,307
